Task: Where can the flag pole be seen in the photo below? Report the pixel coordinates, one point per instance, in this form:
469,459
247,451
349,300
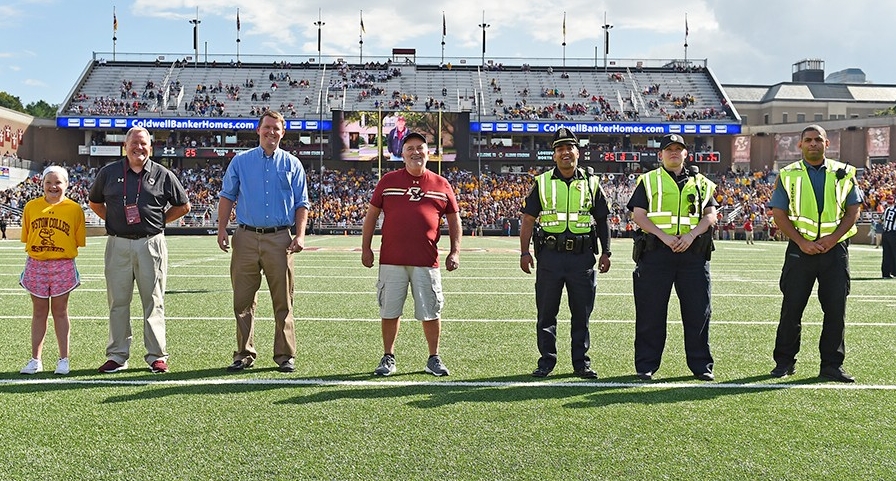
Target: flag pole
444,31
564,39
237,35
114,32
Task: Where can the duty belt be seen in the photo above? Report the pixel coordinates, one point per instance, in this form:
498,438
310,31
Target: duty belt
567,243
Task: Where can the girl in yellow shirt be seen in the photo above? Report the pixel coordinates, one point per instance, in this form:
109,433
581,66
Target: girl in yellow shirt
52,229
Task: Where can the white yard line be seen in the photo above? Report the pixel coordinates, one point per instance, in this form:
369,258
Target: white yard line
452,384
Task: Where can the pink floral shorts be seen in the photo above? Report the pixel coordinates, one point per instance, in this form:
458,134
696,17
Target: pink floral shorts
50,278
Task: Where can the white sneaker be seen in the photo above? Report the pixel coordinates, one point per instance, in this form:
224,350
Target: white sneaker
62,366
34,366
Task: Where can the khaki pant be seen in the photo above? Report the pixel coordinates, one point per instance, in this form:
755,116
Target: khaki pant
253,254
146,262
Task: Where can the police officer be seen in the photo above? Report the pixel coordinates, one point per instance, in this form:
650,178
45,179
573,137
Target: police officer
675,210
815,204
888,241
572,212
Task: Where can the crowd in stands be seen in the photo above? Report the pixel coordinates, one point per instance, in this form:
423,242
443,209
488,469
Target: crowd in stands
340,198
374,81
878,183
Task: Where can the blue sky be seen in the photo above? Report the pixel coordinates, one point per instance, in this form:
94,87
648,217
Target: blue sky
47,43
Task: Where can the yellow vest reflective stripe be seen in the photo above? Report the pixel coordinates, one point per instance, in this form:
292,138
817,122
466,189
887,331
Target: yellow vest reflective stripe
803,208
566,206
673,210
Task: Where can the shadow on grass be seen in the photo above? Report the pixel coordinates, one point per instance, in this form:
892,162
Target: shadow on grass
194,291
420,394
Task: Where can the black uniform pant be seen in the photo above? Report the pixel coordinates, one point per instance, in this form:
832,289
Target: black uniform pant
888,263
576,272
798,276
655,274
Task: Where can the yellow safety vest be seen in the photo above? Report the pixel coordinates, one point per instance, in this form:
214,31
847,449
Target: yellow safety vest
566,206
676,211
803,208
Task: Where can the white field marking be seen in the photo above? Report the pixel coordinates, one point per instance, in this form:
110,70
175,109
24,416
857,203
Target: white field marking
889,301
450,320
452,384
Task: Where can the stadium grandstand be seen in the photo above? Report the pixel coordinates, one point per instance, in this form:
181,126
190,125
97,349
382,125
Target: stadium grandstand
489,128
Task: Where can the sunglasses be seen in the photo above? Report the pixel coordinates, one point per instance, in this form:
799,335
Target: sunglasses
692,209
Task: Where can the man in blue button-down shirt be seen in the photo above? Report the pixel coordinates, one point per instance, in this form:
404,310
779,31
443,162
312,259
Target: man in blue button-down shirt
269,185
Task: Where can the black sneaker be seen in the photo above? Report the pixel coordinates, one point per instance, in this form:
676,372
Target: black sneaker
240,364
784,370
836,373
541,372
288,365
585,373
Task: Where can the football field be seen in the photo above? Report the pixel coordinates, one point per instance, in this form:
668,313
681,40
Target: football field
333,420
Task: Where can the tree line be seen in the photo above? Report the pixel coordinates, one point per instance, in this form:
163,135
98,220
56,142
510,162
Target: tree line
40,109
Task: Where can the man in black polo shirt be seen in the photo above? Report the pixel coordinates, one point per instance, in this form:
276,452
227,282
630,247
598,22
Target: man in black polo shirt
132,196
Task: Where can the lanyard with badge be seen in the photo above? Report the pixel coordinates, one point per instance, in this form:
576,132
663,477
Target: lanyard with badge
131,212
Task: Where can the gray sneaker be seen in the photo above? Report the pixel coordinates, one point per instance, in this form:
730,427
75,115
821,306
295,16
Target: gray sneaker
435,366
386,367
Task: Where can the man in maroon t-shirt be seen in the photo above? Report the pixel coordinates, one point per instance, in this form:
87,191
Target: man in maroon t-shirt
413,201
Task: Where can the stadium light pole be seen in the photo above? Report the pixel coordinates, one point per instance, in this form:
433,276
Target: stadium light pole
606,26
196,23
483,26
322,101
319,24
479,109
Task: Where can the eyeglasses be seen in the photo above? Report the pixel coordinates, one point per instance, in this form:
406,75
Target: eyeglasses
692,209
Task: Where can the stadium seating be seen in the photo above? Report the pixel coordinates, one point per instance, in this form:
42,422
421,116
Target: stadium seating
546,93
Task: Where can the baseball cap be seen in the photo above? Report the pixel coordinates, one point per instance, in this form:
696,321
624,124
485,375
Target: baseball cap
412,135
672,139
564,136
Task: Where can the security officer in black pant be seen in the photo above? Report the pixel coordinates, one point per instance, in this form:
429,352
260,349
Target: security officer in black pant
572,212
888,241
675,210
816,204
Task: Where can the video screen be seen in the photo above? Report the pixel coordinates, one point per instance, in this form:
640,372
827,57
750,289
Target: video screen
368,134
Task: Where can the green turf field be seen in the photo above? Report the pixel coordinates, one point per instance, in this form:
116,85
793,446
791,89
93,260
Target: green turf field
332,420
